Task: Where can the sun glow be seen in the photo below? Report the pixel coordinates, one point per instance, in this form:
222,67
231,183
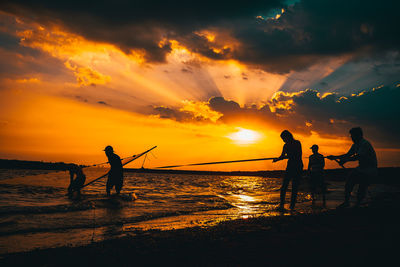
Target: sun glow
245,136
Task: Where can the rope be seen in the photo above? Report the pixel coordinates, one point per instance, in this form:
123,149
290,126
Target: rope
216,162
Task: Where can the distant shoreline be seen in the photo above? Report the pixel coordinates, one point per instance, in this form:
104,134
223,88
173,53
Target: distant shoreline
387,175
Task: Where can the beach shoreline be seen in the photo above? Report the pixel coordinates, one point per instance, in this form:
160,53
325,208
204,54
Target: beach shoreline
361,236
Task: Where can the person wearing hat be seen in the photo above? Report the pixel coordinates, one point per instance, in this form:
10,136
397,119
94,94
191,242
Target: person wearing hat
115,175
316,164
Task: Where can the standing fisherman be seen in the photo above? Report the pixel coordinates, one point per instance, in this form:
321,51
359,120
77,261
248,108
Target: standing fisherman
292,152
76,184
115,175
316,164
363,152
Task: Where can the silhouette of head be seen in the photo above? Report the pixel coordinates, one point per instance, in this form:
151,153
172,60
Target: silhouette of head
314,149
72,167
109,150
356,134
286,136
68,166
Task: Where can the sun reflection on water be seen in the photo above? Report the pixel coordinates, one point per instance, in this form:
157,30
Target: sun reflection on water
246,198
247,194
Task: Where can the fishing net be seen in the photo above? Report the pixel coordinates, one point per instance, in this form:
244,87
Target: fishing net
61,178
103,168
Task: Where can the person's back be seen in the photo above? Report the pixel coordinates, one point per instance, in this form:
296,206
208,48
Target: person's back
316,163
115,175
115,163
367,160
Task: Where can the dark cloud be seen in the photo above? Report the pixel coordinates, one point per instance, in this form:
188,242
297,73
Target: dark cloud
313,29
184,70
102,103
18,61
80,98
135,24
368,72
310,31
376,111
176,114
8,41
306,32
223,106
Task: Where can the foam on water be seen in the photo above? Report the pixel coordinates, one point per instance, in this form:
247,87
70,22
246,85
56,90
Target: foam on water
35,212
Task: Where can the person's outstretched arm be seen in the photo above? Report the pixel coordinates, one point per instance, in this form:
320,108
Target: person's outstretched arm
349,156
282,156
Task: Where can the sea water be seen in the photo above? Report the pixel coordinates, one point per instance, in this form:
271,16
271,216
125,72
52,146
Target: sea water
36,213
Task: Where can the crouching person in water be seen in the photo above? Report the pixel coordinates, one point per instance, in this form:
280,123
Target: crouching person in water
363,152
115,176
76,184
292,152
316,164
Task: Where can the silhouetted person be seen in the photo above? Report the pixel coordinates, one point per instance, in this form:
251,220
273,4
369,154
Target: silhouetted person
363,152
115,175
292,152
316,164
76,184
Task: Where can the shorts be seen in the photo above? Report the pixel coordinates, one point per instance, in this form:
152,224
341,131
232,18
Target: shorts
115,180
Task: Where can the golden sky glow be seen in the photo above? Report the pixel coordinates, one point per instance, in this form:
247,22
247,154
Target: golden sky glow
99,94
58,129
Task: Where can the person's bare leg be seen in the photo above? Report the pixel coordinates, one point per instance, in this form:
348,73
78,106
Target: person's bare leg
348,188
284,187
295,188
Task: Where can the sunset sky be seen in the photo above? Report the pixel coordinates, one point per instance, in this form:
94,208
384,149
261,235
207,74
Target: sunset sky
202,80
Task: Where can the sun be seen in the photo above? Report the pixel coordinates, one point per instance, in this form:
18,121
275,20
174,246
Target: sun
244,136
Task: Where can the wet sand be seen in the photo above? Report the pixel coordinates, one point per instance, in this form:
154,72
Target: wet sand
366,236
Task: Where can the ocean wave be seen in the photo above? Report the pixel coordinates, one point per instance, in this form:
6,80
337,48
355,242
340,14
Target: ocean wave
12,210
99,222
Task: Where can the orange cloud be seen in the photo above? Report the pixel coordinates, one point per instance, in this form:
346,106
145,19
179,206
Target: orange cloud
200,109
87,76
28,80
